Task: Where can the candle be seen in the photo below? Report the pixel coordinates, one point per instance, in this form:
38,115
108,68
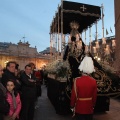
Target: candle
113,43
107,50
97,44
103,41
77,37
94,50
79,45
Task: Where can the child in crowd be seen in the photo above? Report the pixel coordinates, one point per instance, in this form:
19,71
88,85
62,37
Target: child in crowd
13,99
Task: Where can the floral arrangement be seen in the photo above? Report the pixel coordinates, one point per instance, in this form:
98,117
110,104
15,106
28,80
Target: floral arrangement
59,68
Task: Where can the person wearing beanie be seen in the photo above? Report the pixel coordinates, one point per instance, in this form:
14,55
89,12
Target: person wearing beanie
84,91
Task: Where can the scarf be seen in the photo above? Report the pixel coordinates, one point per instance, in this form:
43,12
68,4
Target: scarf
14,100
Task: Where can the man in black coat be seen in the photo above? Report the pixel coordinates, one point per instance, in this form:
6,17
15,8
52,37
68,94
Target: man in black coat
28,96
9,73
4,108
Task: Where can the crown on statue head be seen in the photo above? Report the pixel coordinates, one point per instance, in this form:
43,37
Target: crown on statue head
74,25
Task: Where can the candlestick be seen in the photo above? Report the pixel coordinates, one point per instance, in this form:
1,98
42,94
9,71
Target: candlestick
107,50
97,44
113,43
103,41
77,37
94,50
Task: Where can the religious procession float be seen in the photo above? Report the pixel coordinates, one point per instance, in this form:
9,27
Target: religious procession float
72,19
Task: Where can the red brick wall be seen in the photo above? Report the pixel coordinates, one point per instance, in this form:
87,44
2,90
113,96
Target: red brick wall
117,33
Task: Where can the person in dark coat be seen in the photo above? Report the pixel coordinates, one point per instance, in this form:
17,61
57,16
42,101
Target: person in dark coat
38,82
9,73
28,96
3,107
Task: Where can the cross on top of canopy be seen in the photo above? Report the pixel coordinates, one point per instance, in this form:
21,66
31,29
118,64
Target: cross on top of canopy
83,14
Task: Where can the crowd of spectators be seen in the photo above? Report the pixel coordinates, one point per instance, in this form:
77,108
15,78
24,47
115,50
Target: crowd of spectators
19,91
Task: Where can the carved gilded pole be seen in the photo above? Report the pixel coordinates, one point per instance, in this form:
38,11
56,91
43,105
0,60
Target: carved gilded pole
90,38
96,32
102,7
58,32
85,37
56,36
62,40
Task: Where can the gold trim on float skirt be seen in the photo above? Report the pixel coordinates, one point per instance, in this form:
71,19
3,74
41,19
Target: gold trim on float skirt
116,94
82,99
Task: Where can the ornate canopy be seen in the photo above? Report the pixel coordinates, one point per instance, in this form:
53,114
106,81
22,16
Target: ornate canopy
85,15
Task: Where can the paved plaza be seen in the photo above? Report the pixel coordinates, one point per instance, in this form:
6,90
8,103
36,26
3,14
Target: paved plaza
46,110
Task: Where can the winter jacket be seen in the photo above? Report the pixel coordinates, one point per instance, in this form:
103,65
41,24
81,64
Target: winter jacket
18,104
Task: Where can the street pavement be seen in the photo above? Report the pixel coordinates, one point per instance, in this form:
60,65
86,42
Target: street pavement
112,114
46,111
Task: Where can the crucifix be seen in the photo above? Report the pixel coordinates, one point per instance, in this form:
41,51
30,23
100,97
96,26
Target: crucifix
83,8
24,38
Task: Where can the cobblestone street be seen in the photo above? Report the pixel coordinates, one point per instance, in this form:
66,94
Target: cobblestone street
46,110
